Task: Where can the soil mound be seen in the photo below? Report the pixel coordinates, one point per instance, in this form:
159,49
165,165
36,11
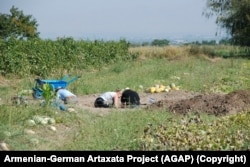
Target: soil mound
215,103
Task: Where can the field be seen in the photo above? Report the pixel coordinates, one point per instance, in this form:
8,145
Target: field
208,111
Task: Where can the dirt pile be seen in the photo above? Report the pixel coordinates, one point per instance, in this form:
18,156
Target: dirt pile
215,103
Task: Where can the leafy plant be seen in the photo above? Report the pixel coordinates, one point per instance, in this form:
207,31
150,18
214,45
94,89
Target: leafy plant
44,57
192,133
18,25
48,93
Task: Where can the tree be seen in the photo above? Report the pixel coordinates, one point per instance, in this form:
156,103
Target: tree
18,25
160,42
232,15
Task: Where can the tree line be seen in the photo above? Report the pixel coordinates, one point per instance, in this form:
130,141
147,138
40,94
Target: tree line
231,15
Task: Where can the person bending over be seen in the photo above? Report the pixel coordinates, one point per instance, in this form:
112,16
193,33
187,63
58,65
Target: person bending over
66,96
130,98
108,99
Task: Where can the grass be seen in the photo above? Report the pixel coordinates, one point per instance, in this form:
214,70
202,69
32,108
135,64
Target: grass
119,130
194,74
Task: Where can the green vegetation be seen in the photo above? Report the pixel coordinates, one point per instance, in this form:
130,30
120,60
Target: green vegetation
136,129
48,93
47,57
26,124
194,133
17,25
233,16
160,42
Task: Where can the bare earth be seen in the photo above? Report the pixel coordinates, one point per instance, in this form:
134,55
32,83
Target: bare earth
182,101
175,101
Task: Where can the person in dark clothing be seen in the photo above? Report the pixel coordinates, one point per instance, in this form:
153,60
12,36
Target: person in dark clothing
130,98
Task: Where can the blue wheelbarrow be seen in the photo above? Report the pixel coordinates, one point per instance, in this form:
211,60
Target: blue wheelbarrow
62,83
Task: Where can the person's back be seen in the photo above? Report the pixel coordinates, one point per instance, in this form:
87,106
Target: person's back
63,93
66,96
108,99
130,98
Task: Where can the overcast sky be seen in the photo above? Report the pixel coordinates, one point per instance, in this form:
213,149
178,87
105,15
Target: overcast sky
116,18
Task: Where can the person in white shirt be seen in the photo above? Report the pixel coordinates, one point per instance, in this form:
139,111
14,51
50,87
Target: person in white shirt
108,99
66,96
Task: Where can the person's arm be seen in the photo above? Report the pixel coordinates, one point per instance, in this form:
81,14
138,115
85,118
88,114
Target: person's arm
116,101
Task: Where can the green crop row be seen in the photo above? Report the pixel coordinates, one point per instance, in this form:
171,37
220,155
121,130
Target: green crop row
46,57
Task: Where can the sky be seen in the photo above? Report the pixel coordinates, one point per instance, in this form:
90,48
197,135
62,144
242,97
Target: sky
116,19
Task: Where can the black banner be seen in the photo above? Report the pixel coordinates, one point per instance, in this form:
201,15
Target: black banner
118,158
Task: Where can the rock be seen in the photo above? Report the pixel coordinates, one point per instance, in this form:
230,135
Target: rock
4,147
52,128
71,110
29,131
